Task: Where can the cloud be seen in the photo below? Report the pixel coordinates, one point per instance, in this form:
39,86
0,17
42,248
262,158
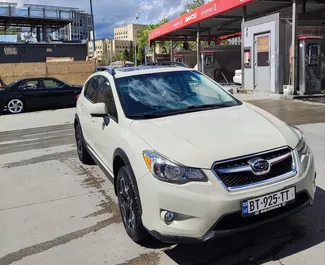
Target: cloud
109,13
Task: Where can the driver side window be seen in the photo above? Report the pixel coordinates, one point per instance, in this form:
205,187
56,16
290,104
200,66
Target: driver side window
105,95
31,84
91,91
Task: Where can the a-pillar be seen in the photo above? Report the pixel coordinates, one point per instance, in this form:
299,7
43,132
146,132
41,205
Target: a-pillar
198,48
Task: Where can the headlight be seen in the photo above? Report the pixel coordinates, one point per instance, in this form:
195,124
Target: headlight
302,147
169,171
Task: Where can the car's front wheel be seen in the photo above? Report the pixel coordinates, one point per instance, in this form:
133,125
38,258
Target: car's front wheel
15,106
83,154
129,206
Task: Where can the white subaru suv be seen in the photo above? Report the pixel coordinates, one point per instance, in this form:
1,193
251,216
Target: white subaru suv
189,161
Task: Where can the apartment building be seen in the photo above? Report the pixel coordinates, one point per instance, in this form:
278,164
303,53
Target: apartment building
78,29
108,48
129,32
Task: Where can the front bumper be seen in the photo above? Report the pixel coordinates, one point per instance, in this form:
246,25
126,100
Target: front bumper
207,210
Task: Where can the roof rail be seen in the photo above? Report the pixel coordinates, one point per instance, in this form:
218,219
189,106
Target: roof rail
168,63
109,69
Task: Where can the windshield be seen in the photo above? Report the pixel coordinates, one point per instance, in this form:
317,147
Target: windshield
171,93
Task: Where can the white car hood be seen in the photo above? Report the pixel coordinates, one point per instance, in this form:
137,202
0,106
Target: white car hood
199,139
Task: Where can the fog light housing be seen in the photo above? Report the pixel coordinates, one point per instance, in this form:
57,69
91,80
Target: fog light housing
169,217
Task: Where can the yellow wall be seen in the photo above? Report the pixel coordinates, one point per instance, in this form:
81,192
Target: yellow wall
71,72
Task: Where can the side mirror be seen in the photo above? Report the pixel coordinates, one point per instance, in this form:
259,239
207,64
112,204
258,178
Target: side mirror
98,110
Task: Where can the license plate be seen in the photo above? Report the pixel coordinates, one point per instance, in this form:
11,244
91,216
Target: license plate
268,202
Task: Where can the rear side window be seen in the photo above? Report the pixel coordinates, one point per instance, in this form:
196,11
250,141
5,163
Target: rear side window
51,83
91,90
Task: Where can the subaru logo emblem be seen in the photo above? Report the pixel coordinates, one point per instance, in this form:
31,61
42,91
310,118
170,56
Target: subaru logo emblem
259,166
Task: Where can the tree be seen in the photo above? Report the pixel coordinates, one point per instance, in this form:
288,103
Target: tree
124,55
190,5
131,52
225,42
144,36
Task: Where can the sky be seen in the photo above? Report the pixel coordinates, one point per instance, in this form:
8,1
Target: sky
112,13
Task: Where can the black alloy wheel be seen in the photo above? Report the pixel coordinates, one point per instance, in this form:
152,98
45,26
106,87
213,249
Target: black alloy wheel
83,154
129,204
126,203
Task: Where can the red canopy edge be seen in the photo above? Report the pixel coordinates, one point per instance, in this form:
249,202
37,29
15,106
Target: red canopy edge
211,9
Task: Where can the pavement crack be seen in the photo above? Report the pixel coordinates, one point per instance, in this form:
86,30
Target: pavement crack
44,246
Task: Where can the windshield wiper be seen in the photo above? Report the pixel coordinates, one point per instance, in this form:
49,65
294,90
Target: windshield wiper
147,115
207,107
178,111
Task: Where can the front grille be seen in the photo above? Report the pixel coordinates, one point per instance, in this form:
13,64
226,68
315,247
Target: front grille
226,171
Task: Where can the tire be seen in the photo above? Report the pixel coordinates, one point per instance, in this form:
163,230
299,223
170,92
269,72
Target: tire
83,153
15,106
129,207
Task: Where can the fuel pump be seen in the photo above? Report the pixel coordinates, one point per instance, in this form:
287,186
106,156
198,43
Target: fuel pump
207,59
179,58
310,64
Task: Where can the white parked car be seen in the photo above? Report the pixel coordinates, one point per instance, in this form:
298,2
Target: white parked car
188,160
237,77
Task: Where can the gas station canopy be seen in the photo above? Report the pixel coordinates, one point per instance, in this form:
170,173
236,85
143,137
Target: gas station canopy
224,17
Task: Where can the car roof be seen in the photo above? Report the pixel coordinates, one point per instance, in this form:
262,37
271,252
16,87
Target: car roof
147,69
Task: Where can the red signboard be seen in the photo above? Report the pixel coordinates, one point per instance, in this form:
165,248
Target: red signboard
211,9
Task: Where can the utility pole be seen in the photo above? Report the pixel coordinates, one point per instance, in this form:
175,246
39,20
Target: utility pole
92,21
294,45
136,41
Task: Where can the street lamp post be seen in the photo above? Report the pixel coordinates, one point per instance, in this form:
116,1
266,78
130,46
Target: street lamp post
136,41
92,21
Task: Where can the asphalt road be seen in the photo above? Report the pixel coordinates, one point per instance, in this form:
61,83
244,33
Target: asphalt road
53,210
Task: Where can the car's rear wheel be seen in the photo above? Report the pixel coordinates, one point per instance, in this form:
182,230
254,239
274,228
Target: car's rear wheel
129,207
83,154
15,106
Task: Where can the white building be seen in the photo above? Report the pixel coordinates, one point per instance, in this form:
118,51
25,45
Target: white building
78,29
129,32
108,48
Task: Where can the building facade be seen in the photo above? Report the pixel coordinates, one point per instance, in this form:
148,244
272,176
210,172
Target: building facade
129,32
78,29
108,49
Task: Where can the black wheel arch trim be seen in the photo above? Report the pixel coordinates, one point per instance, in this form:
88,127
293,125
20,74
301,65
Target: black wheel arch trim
76,118
119,152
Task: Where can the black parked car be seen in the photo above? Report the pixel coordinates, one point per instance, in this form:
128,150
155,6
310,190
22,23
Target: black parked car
37,93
